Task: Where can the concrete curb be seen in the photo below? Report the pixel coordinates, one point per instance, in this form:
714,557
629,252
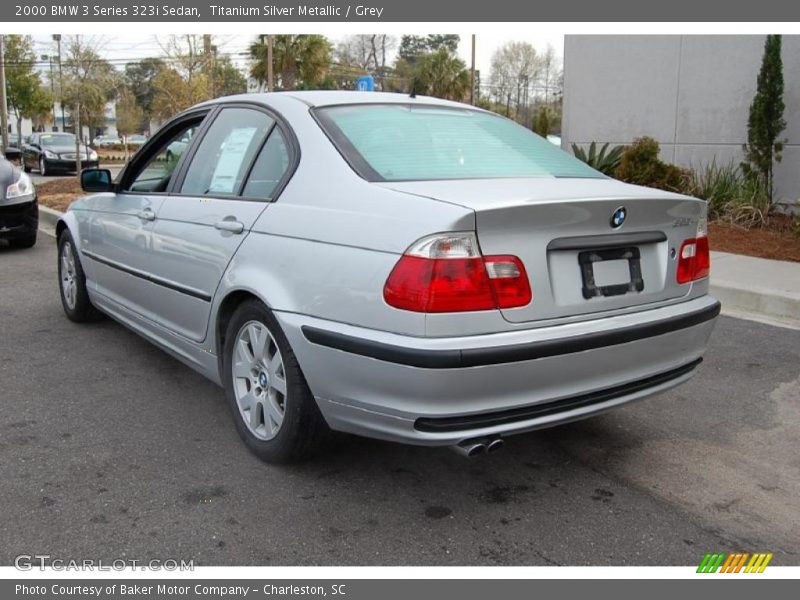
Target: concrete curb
766,306
752,302
756,288
48,218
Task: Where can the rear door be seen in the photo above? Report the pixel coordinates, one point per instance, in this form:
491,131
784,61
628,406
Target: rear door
227,183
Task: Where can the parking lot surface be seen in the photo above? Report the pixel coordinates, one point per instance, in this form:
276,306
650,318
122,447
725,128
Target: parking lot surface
111,449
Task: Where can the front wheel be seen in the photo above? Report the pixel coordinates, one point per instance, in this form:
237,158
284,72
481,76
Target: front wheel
274,410
42,166
72,283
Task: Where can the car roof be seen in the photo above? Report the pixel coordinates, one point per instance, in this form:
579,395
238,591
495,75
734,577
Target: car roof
318,98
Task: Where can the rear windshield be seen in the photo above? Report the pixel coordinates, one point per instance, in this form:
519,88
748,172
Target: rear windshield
398,142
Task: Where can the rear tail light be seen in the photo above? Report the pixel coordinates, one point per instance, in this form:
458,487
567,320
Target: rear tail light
446,273
694,259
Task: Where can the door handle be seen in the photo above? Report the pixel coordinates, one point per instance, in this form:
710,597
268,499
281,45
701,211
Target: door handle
229,226
146,215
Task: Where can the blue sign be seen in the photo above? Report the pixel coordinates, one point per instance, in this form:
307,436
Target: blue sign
365,83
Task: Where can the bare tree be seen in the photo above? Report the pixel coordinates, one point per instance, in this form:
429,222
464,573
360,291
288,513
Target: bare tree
369,53
551,74
515,67
187,54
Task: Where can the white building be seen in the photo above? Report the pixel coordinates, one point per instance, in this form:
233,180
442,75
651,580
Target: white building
109,127
692,93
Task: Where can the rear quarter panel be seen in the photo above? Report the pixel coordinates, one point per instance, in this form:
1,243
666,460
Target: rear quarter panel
326,246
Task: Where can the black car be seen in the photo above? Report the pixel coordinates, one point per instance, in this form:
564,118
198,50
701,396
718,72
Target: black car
19,210
50,152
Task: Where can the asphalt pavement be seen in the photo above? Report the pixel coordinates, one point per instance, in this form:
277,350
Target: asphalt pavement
111,449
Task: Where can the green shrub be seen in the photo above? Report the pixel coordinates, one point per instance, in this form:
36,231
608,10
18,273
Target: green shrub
732,195
641,165
604,161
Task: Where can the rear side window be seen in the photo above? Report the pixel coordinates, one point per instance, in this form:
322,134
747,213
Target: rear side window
226,151
269,168
398,142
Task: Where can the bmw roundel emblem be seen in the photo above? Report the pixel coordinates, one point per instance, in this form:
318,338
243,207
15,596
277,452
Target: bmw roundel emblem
619,216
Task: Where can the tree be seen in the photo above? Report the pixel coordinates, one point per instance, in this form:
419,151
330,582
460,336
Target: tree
139,77
358,54
174,92
515,67
25,95
551,75
541,123
765,121
441,74
129,116
187,54
228,79
90,82
298,60
414,46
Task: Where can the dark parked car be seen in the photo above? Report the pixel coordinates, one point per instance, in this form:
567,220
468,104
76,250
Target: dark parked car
50,152
19,212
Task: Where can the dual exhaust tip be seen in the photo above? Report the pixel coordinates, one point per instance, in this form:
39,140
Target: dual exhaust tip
476,447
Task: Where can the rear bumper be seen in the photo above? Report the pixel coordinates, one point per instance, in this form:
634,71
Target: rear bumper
437,391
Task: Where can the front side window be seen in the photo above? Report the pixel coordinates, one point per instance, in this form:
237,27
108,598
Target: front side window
157,172
399,142
225,153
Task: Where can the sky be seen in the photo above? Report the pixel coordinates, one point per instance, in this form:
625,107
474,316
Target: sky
120,48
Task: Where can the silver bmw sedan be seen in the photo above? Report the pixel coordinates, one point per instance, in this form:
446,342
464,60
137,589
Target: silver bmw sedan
404,268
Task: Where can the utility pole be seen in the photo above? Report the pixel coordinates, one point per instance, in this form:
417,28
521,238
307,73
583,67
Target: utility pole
57,40
3,102
270,82
213,71
472,75
49,57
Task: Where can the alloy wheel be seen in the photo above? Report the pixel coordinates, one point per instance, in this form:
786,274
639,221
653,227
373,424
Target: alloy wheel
69,283
259,380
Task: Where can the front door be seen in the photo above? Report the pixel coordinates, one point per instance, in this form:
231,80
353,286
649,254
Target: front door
204,221
121,224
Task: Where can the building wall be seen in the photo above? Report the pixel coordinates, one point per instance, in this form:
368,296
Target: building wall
692,93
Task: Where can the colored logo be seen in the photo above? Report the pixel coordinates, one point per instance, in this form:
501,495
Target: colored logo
735,562
619,216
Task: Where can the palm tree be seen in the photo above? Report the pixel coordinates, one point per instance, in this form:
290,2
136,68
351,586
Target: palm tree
441,74
298,60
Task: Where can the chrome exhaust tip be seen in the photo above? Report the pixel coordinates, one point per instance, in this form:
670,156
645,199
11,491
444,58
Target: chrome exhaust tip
470,448
495,445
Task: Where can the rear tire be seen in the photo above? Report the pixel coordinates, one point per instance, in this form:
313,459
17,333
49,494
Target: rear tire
272,406
72,283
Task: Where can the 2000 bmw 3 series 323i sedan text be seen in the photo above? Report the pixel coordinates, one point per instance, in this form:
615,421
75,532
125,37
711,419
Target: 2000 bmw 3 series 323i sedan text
404,268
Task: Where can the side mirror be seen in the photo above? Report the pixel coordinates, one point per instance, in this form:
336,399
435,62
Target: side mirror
96,180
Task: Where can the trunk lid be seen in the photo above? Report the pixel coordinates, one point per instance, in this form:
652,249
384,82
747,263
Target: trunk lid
577,261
